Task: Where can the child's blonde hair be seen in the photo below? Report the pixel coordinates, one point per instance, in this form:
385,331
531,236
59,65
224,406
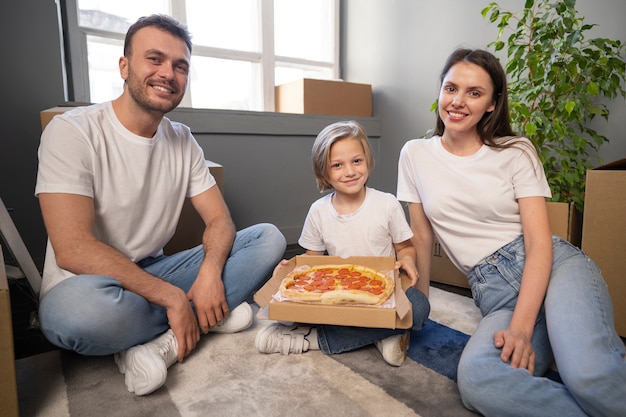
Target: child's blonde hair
325,140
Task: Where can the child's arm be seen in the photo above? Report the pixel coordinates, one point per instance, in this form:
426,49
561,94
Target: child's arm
314,253
405,252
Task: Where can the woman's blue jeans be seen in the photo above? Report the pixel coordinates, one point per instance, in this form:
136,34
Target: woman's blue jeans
93,315
575,328
337,339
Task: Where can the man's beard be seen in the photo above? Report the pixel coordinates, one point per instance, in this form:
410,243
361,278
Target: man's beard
137,91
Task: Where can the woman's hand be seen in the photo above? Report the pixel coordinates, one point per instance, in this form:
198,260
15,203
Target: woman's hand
516,349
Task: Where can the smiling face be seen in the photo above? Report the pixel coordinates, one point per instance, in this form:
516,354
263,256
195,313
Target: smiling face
156,70
348,170
466,95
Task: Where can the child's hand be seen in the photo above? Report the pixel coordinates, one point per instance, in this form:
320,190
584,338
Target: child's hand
408,264
279,266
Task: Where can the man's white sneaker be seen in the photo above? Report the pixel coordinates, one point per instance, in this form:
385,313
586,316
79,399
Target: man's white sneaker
237,320
279,338
145,366
394,348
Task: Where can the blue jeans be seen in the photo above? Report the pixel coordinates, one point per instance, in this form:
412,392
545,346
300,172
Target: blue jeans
337,339
93,315
575,328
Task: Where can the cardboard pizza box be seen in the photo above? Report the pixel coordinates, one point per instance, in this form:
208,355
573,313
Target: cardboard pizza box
400,317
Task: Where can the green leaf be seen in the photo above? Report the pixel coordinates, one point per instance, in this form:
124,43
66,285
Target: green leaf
569,106
530,129
559,81
592,88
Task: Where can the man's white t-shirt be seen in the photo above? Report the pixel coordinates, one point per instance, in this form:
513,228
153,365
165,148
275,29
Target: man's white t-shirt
369,231
138,184
470,201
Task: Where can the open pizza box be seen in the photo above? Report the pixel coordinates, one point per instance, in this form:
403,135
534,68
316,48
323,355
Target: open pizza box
398,317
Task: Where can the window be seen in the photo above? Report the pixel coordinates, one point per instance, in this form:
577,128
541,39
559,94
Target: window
241,48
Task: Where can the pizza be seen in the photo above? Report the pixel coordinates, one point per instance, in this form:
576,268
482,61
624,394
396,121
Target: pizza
337,284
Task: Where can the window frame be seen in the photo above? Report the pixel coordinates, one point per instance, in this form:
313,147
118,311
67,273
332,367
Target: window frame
78,67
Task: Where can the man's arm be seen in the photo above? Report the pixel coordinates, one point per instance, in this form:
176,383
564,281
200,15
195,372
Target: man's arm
69,221
207,292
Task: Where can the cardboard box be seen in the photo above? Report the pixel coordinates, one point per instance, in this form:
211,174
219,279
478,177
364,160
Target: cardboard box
442,269
361,316
604,231
8,383
309,96
48,114
565,221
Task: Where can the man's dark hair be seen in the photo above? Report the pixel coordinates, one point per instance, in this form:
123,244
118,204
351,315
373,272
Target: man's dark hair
159,21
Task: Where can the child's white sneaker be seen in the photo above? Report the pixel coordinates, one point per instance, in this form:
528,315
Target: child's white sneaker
279,338
145,366
394,348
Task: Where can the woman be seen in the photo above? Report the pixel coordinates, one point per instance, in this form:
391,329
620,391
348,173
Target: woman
481,190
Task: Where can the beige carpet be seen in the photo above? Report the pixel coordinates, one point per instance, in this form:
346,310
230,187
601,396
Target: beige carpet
226,376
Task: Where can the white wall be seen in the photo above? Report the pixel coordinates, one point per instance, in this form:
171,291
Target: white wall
399,46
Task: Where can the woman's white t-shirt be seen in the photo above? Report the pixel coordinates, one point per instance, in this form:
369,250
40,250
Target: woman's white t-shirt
470,201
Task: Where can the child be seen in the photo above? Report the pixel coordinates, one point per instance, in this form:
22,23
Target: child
352,220
482,191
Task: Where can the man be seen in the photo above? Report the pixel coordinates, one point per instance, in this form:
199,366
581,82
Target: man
111,184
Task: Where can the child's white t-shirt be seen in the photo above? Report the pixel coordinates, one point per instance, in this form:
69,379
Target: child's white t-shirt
369,231
138,184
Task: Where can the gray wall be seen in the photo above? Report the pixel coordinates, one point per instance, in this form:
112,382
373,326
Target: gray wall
266,159
32,81
398,46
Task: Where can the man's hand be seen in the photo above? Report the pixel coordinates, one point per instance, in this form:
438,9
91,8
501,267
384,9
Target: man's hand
183,323
516,349
207,295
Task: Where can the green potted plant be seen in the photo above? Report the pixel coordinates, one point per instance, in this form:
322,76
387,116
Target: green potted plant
558,80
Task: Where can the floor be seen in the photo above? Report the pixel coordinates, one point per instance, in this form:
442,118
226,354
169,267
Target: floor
28,339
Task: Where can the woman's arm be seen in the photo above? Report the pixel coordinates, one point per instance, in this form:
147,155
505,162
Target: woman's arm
423,243
515,340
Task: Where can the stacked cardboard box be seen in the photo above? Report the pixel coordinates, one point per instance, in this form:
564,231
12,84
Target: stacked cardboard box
565,221
604,231
8,384
309,96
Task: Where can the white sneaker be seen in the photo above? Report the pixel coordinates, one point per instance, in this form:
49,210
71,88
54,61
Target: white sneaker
237,320
279,338
145,366
394,348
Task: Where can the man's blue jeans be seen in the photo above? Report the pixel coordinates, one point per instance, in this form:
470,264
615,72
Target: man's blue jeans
575,328
93,315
